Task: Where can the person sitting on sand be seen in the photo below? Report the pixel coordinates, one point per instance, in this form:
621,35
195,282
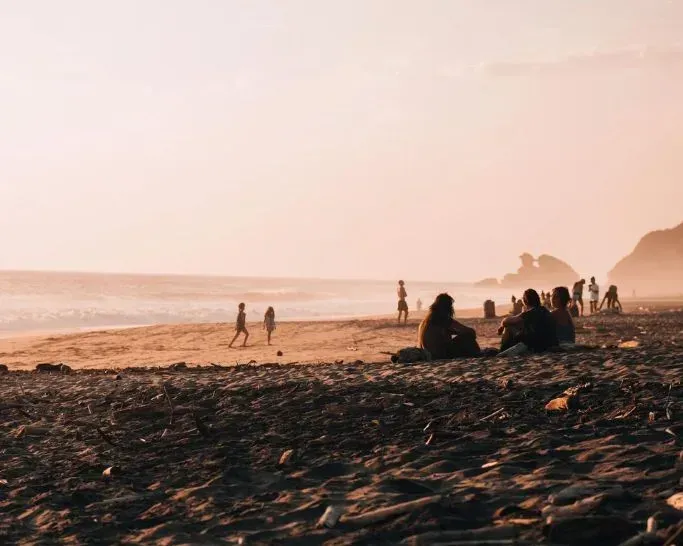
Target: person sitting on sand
577,293
241,326
269,322
442,335
534,327
612,298
402,303
564,325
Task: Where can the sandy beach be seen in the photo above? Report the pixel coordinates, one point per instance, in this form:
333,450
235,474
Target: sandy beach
457,452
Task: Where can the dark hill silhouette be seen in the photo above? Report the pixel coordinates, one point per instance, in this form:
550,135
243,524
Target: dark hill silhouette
549,272
655,267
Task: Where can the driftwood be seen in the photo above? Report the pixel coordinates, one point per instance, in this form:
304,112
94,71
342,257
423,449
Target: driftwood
381,514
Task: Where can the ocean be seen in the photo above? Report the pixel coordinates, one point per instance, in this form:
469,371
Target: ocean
55,301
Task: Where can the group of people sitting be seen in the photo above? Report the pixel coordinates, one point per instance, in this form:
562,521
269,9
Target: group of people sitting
534,326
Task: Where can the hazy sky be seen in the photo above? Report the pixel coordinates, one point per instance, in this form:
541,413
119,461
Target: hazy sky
432,140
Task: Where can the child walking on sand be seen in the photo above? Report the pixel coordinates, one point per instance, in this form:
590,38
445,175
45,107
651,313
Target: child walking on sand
240,326
269,322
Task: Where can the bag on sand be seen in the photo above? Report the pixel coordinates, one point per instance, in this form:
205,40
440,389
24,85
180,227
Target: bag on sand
411,354
489,309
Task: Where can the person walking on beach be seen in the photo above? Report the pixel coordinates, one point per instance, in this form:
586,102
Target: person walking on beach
240,326
402,303
577,294
269,322
418,305
594,291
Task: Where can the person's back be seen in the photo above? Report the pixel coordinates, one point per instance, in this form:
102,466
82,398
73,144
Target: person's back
539,332
443,336
564,325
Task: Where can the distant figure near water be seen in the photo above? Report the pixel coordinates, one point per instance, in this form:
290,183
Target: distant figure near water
241,325
418,305
402,303
517,306
577,294
594,291
442,335
269,322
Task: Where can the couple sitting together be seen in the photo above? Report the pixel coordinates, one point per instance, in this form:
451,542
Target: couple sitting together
536,327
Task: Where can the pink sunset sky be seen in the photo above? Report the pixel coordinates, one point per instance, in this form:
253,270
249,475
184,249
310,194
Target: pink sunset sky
431,140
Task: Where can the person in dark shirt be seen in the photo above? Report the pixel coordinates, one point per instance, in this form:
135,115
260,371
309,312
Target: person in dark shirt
535,326
564,325
240,326
442,335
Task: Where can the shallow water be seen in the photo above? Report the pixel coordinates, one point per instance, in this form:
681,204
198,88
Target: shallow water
49,301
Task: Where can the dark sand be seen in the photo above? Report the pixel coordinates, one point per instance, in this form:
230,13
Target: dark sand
196,451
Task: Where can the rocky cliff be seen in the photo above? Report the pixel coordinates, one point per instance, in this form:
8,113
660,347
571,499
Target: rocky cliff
655,267
542,273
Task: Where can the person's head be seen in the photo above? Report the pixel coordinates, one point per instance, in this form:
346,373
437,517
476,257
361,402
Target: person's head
514,299
270,311
560,298
441,311
582,281
592,280
401,283
531,299
241,306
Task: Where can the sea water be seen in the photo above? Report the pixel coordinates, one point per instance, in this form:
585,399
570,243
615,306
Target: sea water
52,301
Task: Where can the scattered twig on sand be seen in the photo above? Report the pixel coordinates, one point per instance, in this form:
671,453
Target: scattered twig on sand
201,427
170,404
625,415
678,535
106,437
391,511
501,410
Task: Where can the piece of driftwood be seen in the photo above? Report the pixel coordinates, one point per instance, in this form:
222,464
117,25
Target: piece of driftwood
368,518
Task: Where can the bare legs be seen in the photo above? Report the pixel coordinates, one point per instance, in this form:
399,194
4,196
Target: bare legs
246,337
405,319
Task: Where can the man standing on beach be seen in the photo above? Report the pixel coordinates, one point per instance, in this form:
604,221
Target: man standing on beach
594,291
577,294
402,303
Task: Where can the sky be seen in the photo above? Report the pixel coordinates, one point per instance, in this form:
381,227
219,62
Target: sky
427,140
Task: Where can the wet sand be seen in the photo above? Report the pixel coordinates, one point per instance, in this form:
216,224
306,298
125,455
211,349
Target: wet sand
457,451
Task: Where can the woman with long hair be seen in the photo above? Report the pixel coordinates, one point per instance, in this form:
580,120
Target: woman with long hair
564,325
269,322
442,335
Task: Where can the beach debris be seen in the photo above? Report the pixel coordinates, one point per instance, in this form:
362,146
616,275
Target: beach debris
563,403
676,501
330,517
279,353
30,431
286,457
111,472
408,355
651,417
177,366
496,535
358,363
351,348
339,362
651,525
591,529
381,514
4,368
170,403
572,494
580,507
46,367
506,383
201,427
497,412
429,440
628,344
